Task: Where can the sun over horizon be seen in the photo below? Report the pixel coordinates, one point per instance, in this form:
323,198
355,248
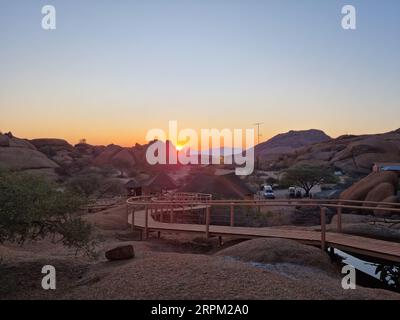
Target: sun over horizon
109,138
199,158
134,66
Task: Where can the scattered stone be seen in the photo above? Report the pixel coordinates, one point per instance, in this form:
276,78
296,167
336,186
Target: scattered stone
120,253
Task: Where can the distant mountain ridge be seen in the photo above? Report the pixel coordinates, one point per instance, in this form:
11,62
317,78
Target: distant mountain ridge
352,154
290,141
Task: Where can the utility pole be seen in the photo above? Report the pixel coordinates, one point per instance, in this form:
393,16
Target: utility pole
258,131
258,124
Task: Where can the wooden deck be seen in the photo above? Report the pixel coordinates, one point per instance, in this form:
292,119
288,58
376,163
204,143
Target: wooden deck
366,246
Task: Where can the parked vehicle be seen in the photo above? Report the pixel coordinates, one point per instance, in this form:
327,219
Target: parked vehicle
268,193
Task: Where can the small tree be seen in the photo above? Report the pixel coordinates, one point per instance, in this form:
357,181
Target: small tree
85,184
32,208
122,165
271,180
306,177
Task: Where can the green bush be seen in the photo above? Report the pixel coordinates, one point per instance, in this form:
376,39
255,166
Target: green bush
85,184
32,208
306,177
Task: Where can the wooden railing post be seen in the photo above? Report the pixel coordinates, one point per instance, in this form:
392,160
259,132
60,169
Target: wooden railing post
146,222
232,216
133,219
127,214
208,222
171,214
339,219
323,228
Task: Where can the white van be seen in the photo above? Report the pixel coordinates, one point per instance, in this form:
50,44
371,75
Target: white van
268,193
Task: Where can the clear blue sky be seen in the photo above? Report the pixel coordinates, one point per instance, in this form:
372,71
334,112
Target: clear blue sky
114,69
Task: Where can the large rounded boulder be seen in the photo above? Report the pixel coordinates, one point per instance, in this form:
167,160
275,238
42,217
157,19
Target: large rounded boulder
380,192
20,154
361,189
275,250
386,213
376,187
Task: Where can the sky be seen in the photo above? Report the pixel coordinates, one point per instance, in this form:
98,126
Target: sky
112,70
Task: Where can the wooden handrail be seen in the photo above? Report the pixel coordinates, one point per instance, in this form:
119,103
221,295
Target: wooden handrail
170,206
283,203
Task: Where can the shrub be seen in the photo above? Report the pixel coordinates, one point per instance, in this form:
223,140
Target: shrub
32,208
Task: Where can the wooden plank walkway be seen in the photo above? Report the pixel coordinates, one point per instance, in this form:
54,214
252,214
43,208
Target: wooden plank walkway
366,246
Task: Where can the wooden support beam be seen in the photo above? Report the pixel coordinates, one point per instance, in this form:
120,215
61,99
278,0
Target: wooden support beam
232,214
146,223
339,219
133,219
127,215
323,228
208,216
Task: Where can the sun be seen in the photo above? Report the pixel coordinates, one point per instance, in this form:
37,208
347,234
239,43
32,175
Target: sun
180,146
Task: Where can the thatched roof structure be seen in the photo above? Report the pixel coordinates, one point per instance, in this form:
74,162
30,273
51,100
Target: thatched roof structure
160,181
228,186
133,183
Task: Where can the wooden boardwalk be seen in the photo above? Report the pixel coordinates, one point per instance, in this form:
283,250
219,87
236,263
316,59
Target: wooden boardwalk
366,246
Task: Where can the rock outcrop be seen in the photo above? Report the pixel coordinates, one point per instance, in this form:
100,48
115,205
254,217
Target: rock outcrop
55,145
19,154
353,155
273,251
376,187
70,158
361,189
381,192
386,213
126,156
288,143
105,157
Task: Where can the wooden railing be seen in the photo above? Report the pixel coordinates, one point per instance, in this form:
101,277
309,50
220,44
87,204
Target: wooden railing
171,204
183,197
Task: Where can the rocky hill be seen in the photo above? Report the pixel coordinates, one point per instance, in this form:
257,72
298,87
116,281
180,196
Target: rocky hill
354,155
20,154
290,141
283,144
